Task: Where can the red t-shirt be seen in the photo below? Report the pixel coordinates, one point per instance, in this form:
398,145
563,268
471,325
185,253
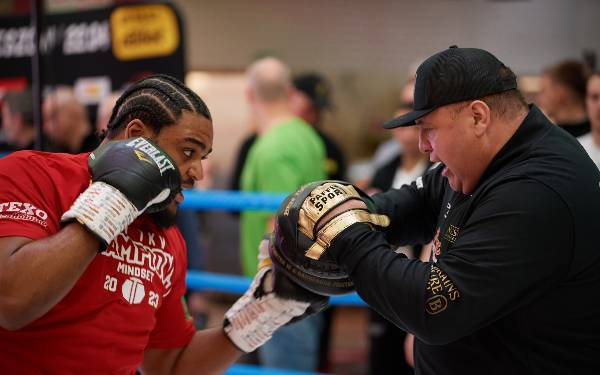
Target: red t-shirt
129,298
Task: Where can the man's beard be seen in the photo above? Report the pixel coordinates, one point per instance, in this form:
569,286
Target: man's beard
165,218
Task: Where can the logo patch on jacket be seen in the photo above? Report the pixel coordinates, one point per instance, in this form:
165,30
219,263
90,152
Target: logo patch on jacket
440,291
451,233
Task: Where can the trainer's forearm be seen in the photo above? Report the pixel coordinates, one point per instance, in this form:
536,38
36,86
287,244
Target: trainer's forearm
36,276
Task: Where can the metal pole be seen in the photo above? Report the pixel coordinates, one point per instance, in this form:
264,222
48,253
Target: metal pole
36,15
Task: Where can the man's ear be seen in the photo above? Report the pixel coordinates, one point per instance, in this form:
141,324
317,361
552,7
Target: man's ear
250,96
481,116
136,128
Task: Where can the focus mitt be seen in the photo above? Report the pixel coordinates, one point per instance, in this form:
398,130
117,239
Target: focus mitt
305,226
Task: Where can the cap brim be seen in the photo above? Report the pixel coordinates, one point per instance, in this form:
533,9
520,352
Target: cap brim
407,119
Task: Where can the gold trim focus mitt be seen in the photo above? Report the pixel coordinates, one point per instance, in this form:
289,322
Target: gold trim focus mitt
303,235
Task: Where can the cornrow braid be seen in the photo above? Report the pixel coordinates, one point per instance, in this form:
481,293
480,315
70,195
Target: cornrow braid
158,100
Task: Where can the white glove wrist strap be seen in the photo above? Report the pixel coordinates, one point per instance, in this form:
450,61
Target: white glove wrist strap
103,209
251,321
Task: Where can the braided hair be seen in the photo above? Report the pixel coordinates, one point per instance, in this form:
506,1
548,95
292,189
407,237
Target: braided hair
158,100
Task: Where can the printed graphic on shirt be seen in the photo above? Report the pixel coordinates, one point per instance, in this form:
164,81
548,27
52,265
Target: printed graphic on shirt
440,291
142,262
133,290
448,208
23,211
451,233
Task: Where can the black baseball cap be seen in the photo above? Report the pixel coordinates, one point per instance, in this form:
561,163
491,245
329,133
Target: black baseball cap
452,76
315,87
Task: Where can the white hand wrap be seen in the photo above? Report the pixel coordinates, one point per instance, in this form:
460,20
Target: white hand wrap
251,321
104,210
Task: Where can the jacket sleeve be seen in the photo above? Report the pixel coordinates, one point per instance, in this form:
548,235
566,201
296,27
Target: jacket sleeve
514,246
413,209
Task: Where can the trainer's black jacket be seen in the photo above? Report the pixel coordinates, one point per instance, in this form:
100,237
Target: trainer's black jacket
513,285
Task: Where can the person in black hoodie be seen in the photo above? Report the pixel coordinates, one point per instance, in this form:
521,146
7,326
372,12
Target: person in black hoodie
511,283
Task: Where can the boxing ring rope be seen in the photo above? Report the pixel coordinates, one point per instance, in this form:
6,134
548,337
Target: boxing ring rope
241,369
231,200
207,281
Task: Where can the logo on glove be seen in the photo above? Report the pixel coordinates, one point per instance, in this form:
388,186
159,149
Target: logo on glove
324,196
140,155
162,161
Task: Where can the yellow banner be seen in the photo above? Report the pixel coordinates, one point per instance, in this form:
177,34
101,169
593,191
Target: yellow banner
143,31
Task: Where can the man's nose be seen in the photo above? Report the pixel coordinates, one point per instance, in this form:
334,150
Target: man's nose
196,172
424,145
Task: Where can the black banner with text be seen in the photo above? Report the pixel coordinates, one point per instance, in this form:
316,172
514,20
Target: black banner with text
96,51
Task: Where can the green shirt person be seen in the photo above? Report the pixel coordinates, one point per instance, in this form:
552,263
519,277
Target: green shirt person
281,160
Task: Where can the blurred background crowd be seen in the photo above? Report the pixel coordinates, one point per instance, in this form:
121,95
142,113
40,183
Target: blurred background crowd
332,72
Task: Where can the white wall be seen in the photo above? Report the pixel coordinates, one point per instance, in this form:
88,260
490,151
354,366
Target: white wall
365,47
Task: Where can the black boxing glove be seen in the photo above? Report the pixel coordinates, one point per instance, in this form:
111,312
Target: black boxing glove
128,178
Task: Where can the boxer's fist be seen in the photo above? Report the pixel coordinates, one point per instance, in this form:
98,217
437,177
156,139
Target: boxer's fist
306,224
128,178
139,169
272,301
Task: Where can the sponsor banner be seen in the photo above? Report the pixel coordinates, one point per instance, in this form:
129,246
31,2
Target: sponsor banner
96,50
140,32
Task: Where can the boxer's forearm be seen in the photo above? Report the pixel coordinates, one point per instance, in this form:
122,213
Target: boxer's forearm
35,275
209,352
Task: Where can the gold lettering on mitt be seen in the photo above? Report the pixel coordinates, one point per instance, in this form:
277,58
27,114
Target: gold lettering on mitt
336,225
321,201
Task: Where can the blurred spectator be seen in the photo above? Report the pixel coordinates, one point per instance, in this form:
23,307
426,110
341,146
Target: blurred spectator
105,110
17,121
310,99
407,165
286,154
390,149
562,96
66,123
591,141
242,154
384,353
